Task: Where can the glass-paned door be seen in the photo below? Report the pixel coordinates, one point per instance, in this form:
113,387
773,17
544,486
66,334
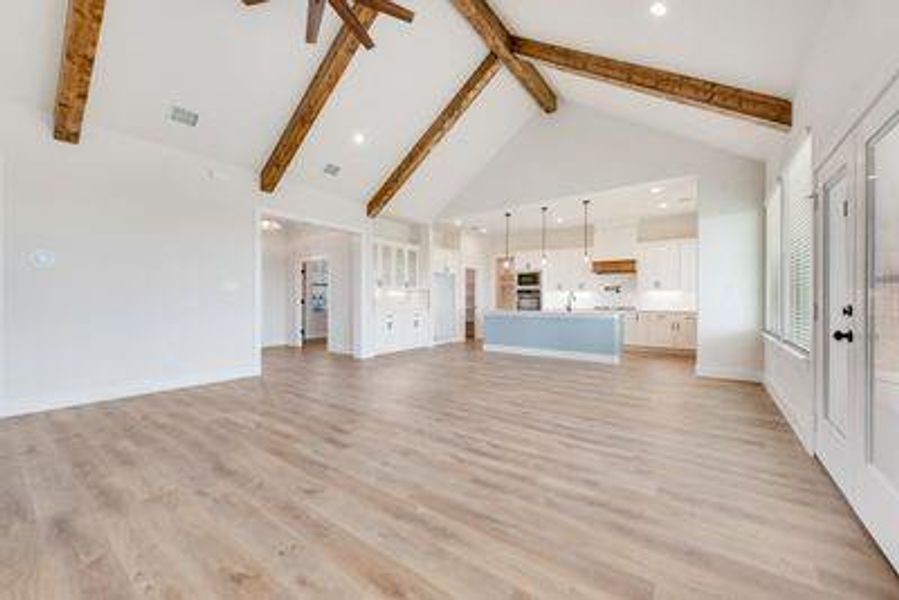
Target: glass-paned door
883,301
878,477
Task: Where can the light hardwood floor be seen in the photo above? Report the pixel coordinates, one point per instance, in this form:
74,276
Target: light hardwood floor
445,473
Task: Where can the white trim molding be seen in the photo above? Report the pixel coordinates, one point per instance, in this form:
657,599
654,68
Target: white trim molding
607,359
803,430
25,406
729,373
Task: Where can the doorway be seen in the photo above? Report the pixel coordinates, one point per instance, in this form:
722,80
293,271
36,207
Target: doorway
307,290
315,284
858,407
471,311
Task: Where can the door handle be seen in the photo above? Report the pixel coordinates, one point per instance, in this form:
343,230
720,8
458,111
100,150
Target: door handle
843,335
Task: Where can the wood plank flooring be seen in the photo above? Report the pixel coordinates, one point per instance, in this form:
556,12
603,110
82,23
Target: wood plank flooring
445,473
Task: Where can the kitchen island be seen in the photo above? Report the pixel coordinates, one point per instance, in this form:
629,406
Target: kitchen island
578,335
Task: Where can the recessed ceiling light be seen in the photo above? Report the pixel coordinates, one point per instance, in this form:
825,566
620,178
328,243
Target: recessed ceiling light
484,230
457,222
270,225
560,220
358,138
656,190
658,9
663,205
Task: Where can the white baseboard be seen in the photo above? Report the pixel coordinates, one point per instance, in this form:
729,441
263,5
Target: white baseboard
607,359
729,373
24,406
802,431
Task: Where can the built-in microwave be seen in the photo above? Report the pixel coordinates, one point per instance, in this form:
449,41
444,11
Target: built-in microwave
531,279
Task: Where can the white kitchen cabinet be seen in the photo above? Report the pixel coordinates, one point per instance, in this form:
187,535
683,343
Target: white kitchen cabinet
661,334
388,333
660,330
684,332
397,265
632,329
528,262
667,266
412,268
658,267
384,265
402,328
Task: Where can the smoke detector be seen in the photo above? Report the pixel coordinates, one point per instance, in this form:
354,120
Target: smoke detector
332,170
181,115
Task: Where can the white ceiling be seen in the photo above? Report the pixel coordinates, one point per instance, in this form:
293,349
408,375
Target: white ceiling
622,205
244,69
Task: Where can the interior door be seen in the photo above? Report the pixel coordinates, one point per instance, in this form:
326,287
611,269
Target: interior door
858,416
840,311
878,485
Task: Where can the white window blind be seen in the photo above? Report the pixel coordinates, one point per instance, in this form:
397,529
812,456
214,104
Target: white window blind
798,250
773,270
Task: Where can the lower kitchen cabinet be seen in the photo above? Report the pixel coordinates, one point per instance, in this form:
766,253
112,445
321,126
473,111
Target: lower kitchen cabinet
402,329
660,330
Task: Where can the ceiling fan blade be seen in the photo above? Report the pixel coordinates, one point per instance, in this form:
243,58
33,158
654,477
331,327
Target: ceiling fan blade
253,2
389,8
350,20
314,20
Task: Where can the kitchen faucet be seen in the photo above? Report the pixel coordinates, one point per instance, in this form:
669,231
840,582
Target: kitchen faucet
569,301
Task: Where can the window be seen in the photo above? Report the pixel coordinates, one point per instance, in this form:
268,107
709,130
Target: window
789,252
799,218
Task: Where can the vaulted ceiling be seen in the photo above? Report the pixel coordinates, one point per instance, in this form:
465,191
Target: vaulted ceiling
244,70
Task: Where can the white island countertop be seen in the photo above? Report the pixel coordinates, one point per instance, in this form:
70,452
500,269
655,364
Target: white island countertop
556,314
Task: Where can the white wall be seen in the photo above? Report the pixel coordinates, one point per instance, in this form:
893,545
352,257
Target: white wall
276,289
4,240
154,285
581,151
854,58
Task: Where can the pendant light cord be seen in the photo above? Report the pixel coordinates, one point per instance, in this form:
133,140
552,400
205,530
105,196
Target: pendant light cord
543,233
586,204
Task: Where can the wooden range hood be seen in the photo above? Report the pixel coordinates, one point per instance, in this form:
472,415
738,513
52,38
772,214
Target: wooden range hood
623,266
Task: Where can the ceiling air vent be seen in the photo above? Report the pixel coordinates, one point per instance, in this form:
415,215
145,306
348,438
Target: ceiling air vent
332,170
183,116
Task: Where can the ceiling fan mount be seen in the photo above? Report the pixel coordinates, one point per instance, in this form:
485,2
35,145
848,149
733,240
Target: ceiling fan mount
316,10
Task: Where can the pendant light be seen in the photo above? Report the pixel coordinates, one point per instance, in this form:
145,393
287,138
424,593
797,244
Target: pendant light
543,260
586,250
507,264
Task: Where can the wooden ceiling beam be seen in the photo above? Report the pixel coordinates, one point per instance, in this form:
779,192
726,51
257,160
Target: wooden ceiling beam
448,117
349,18
701,93
390,8
329,73
82,36
497,37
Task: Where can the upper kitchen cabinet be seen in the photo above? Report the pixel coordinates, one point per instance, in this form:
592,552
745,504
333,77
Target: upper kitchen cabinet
397,265
667,266
526,262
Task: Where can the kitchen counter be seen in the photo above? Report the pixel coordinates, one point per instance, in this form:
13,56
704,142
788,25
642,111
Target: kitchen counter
588,335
